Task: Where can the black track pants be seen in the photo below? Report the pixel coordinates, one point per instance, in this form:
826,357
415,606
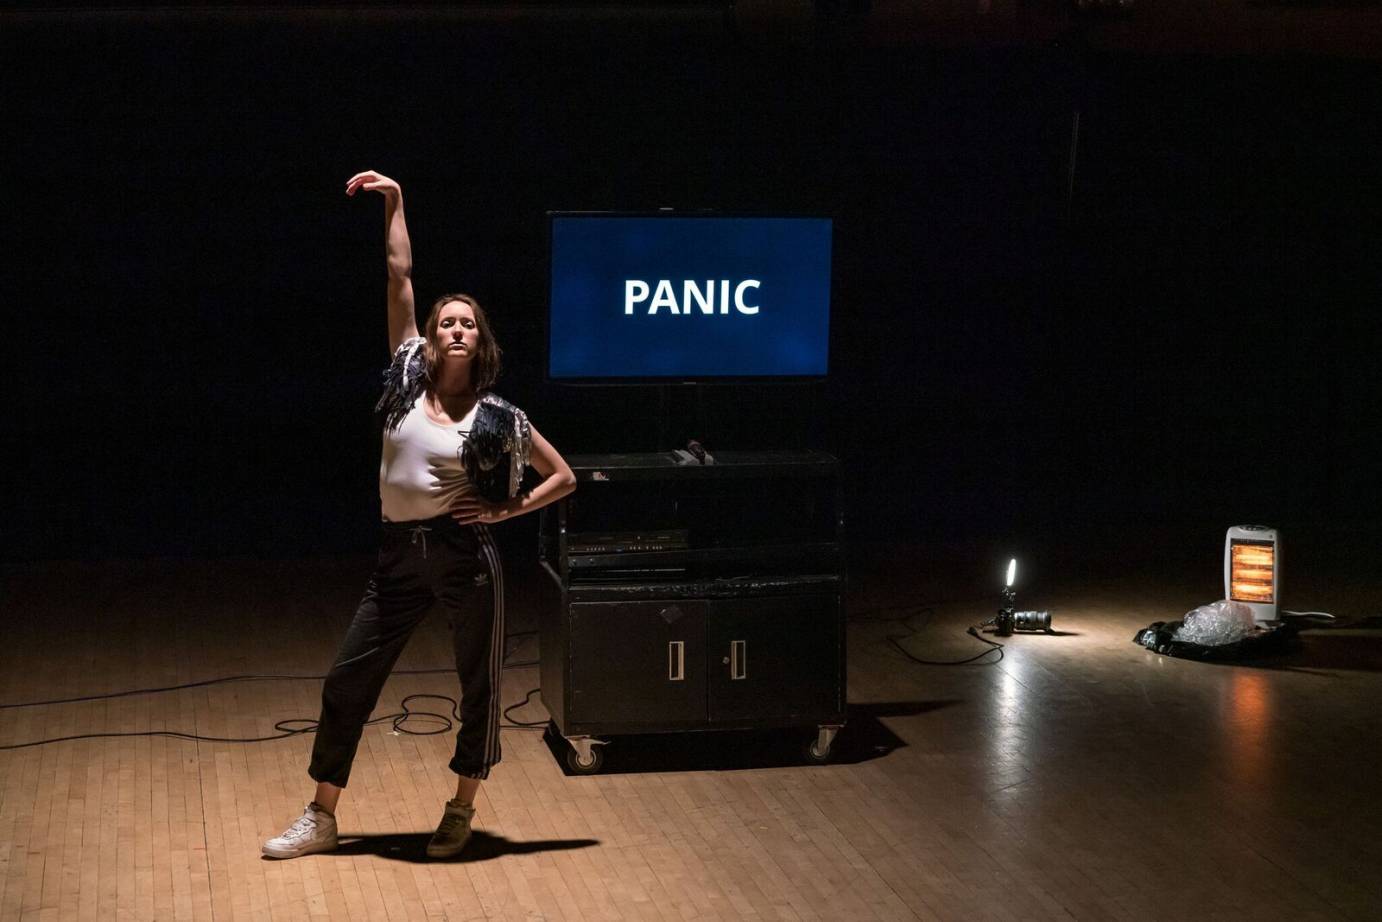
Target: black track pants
420,563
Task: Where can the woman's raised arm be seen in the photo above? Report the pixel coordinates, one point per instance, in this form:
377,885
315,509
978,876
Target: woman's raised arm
399,251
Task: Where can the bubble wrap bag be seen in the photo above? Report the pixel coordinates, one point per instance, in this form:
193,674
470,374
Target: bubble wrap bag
1217,623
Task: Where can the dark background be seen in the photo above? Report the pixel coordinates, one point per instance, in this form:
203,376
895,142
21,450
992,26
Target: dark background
1177,335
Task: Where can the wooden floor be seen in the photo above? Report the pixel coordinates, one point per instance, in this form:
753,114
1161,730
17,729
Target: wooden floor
1079,778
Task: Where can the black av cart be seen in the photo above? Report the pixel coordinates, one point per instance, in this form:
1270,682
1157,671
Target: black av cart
690,597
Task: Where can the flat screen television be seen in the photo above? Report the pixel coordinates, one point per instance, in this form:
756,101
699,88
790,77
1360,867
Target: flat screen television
665,297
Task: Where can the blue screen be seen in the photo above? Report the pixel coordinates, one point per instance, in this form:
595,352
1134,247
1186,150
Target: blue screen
656,297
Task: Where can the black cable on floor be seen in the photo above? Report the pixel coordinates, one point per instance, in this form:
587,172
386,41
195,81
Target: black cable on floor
521,724
912,630
973,631
397,719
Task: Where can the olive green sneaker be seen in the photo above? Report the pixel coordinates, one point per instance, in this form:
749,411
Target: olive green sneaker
454,831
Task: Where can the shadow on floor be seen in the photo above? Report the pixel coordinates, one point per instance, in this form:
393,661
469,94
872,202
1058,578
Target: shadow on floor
1318,652
1326,649
412,846
864,737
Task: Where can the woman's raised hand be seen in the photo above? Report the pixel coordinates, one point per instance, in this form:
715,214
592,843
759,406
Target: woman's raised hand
372,182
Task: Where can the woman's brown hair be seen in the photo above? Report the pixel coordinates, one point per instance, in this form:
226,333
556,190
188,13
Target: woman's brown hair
484,367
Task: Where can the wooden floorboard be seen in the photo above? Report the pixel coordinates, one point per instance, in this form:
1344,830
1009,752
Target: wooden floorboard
1079,778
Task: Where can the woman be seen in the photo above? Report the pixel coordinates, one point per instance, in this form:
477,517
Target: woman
453,456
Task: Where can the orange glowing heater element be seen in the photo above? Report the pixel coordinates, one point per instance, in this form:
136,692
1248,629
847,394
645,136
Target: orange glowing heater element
1251,570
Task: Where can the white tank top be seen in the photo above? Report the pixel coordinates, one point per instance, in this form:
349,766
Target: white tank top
420,474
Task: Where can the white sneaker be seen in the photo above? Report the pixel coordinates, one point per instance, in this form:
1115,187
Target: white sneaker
314,831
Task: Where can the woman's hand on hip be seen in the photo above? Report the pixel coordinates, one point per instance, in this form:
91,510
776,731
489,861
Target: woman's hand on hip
371,181
473,509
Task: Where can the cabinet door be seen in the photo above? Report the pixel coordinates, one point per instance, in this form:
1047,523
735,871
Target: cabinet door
638,661
774,658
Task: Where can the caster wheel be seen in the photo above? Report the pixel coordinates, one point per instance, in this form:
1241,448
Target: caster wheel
597,761
814,755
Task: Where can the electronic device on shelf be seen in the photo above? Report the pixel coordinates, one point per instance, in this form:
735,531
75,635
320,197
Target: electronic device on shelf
627,542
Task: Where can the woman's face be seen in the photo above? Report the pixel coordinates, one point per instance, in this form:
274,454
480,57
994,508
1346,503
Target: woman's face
457,333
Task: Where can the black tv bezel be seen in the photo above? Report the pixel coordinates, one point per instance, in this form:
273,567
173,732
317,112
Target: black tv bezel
679,380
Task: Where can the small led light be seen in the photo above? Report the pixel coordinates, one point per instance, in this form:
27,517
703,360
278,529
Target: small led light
1009,620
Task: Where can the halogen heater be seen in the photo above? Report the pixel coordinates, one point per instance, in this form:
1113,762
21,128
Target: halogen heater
1252,569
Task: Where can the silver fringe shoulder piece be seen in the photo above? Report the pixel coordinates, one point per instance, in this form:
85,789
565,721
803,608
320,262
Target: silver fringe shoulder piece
404,381
496,452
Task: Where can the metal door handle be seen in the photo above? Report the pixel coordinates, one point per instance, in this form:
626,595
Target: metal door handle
676,660
738,659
